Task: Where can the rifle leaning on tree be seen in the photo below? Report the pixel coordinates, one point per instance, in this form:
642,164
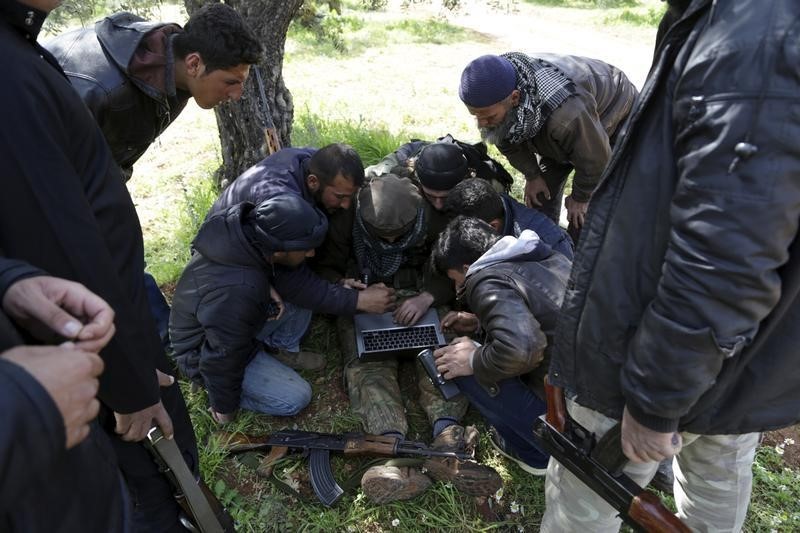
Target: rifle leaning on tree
271,140
598,464
318,446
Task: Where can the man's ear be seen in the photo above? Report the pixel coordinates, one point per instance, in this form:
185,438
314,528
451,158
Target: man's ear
515,97
464,269
194,64
497,224
312,182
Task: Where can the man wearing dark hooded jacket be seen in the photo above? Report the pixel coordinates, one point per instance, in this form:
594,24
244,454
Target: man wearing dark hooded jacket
515,286
682,310
220,302
66,211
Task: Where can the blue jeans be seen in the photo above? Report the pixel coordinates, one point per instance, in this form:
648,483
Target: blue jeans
512,412
159,308
286,332
272,388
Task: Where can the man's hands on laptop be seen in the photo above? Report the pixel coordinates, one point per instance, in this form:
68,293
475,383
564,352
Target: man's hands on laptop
412,309
460,322
377,298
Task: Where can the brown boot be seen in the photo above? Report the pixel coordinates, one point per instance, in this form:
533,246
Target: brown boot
384,484
468,477
302,360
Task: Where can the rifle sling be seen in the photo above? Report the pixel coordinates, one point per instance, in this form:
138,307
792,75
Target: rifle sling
171,456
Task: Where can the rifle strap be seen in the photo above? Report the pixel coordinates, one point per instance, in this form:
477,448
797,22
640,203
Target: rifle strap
177,471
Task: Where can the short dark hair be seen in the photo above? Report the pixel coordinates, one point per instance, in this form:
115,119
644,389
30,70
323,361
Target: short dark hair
218,33
334,159
462,242
474,197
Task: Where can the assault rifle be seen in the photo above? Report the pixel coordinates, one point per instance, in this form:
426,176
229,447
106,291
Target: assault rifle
271,141
599,466
318,446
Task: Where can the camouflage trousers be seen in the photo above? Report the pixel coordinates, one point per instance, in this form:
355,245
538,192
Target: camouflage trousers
713,481
374,389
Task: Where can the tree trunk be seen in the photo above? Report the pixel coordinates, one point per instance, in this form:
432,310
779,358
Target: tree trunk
241,124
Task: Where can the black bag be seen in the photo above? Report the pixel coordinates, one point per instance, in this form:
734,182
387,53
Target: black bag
478,159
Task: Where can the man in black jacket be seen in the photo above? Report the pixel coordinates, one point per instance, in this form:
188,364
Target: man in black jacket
681,316
66,210
219,317
514,287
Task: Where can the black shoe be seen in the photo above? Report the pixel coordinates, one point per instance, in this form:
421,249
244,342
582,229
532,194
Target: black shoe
499,444
664,478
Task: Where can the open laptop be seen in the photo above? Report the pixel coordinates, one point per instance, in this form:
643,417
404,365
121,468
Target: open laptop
378,337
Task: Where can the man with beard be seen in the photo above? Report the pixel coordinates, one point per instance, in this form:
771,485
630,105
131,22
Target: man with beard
549,115
327,179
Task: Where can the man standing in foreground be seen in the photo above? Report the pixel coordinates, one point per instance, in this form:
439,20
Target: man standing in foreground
65,210
549,115
681,316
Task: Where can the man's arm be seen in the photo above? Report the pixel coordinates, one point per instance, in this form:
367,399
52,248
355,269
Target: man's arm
515,341
303,288
731,227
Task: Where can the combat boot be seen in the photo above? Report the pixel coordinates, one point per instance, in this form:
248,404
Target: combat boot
469,477
383,484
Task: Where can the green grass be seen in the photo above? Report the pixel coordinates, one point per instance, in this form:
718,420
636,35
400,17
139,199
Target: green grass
640,16
351,35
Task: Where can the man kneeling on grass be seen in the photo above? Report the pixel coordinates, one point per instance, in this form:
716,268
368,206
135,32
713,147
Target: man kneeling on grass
220,313
515,287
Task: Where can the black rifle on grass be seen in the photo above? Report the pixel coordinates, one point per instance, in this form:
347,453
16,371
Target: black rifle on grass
318,447
598,464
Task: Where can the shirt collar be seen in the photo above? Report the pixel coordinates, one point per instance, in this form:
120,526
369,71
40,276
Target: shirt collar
25,19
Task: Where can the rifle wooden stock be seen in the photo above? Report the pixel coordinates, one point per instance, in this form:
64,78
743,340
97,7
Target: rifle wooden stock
371,445
556,406
647,510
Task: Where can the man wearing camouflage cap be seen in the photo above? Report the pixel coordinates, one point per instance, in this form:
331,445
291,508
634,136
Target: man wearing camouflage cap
549,115
390,234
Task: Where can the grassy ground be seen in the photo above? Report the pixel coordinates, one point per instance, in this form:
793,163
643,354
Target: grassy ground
376,81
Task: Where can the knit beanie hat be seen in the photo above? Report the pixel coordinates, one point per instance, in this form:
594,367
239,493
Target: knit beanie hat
287,223
388,205
441,166
487,80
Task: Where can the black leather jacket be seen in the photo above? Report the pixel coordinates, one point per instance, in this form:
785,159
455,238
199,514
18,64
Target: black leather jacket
517,301
683,300
131,112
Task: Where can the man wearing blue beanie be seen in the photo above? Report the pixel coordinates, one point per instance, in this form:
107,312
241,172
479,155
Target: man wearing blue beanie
221,309
549,115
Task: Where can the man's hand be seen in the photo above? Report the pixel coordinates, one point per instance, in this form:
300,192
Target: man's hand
275,297
460,322
69,375
533,188
352,283
455,359
133,427
45,306
376,298
643,445
412,309
576,211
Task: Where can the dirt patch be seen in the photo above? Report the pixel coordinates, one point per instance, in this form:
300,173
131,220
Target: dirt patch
787,440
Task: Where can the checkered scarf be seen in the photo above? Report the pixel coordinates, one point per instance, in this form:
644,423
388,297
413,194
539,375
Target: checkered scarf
543,88
382,258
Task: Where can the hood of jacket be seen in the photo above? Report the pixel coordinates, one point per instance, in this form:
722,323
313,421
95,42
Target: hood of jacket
224,238
527,247
140,49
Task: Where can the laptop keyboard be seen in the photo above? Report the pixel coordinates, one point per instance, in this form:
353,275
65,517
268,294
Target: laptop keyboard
385,340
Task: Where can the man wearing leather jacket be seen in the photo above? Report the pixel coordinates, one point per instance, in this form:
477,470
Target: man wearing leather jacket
513,288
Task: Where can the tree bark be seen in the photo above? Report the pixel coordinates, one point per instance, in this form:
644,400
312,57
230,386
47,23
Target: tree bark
241,124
